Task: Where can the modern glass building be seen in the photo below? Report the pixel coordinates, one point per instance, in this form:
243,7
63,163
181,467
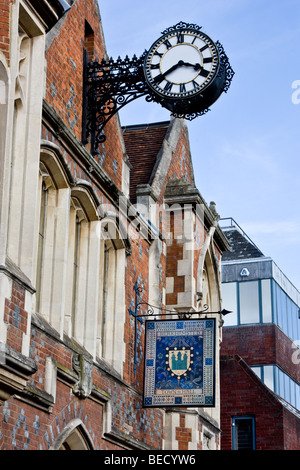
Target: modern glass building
261,298
260,293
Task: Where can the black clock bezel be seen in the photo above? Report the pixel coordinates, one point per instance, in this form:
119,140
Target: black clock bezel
171,32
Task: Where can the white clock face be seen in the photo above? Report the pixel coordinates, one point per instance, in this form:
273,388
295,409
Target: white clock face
181,64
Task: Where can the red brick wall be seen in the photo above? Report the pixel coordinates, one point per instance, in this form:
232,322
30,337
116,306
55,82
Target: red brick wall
24,426
245,398
291,431
180,165
64,84
136,272
183,434
174,253
261,344
5,28
16,317
276,428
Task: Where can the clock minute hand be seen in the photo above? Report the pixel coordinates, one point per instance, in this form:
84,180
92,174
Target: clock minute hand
159,78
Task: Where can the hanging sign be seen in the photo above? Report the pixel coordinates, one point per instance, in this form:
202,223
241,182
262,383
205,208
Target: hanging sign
180,363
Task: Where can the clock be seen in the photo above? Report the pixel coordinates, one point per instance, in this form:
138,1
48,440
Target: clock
183,69
181,63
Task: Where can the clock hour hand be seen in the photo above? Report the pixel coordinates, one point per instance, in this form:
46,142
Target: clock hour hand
159,78
187,64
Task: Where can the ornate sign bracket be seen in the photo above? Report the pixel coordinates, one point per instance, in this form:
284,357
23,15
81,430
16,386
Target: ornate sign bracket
162,312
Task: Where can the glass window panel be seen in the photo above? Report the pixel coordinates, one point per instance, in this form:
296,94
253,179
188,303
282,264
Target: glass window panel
296,333
293,322
266,301
229,302
257,370
293,393
287,388
289,317
244,434
41,244
276,380
269,377
249,302
284,312
279,309
280,383
274,301
298,397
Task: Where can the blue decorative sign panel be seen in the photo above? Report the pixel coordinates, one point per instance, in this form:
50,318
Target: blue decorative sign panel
180,363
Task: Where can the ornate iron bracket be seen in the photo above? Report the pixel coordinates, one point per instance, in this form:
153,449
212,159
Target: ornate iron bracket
108,86
162,312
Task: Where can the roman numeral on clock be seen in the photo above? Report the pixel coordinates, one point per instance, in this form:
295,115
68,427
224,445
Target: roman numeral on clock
204,73
167,44
182,88
180,38
168,86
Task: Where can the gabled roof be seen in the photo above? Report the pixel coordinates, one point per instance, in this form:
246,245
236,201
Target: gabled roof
143,143
241,248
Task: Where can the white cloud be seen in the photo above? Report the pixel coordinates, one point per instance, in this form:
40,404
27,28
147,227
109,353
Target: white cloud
288,231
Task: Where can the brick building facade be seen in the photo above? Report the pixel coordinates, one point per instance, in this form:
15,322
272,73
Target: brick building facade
77,233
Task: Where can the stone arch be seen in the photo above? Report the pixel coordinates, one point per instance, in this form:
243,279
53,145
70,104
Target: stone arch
211,282
113,230
84,194
208,281
53,163
73,437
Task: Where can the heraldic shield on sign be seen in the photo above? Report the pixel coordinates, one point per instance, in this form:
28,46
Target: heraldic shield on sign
180,363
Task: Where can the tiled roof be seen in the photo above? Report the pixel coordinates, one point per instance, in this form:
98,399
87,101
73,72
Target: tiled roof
143,143
240,247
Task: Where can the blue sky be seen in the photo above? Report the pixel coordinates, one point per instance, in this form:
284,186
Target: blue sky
246,150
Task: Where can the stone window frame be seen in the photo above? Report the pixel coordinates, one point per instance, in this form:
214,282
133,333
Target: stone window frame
73,199
112,310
